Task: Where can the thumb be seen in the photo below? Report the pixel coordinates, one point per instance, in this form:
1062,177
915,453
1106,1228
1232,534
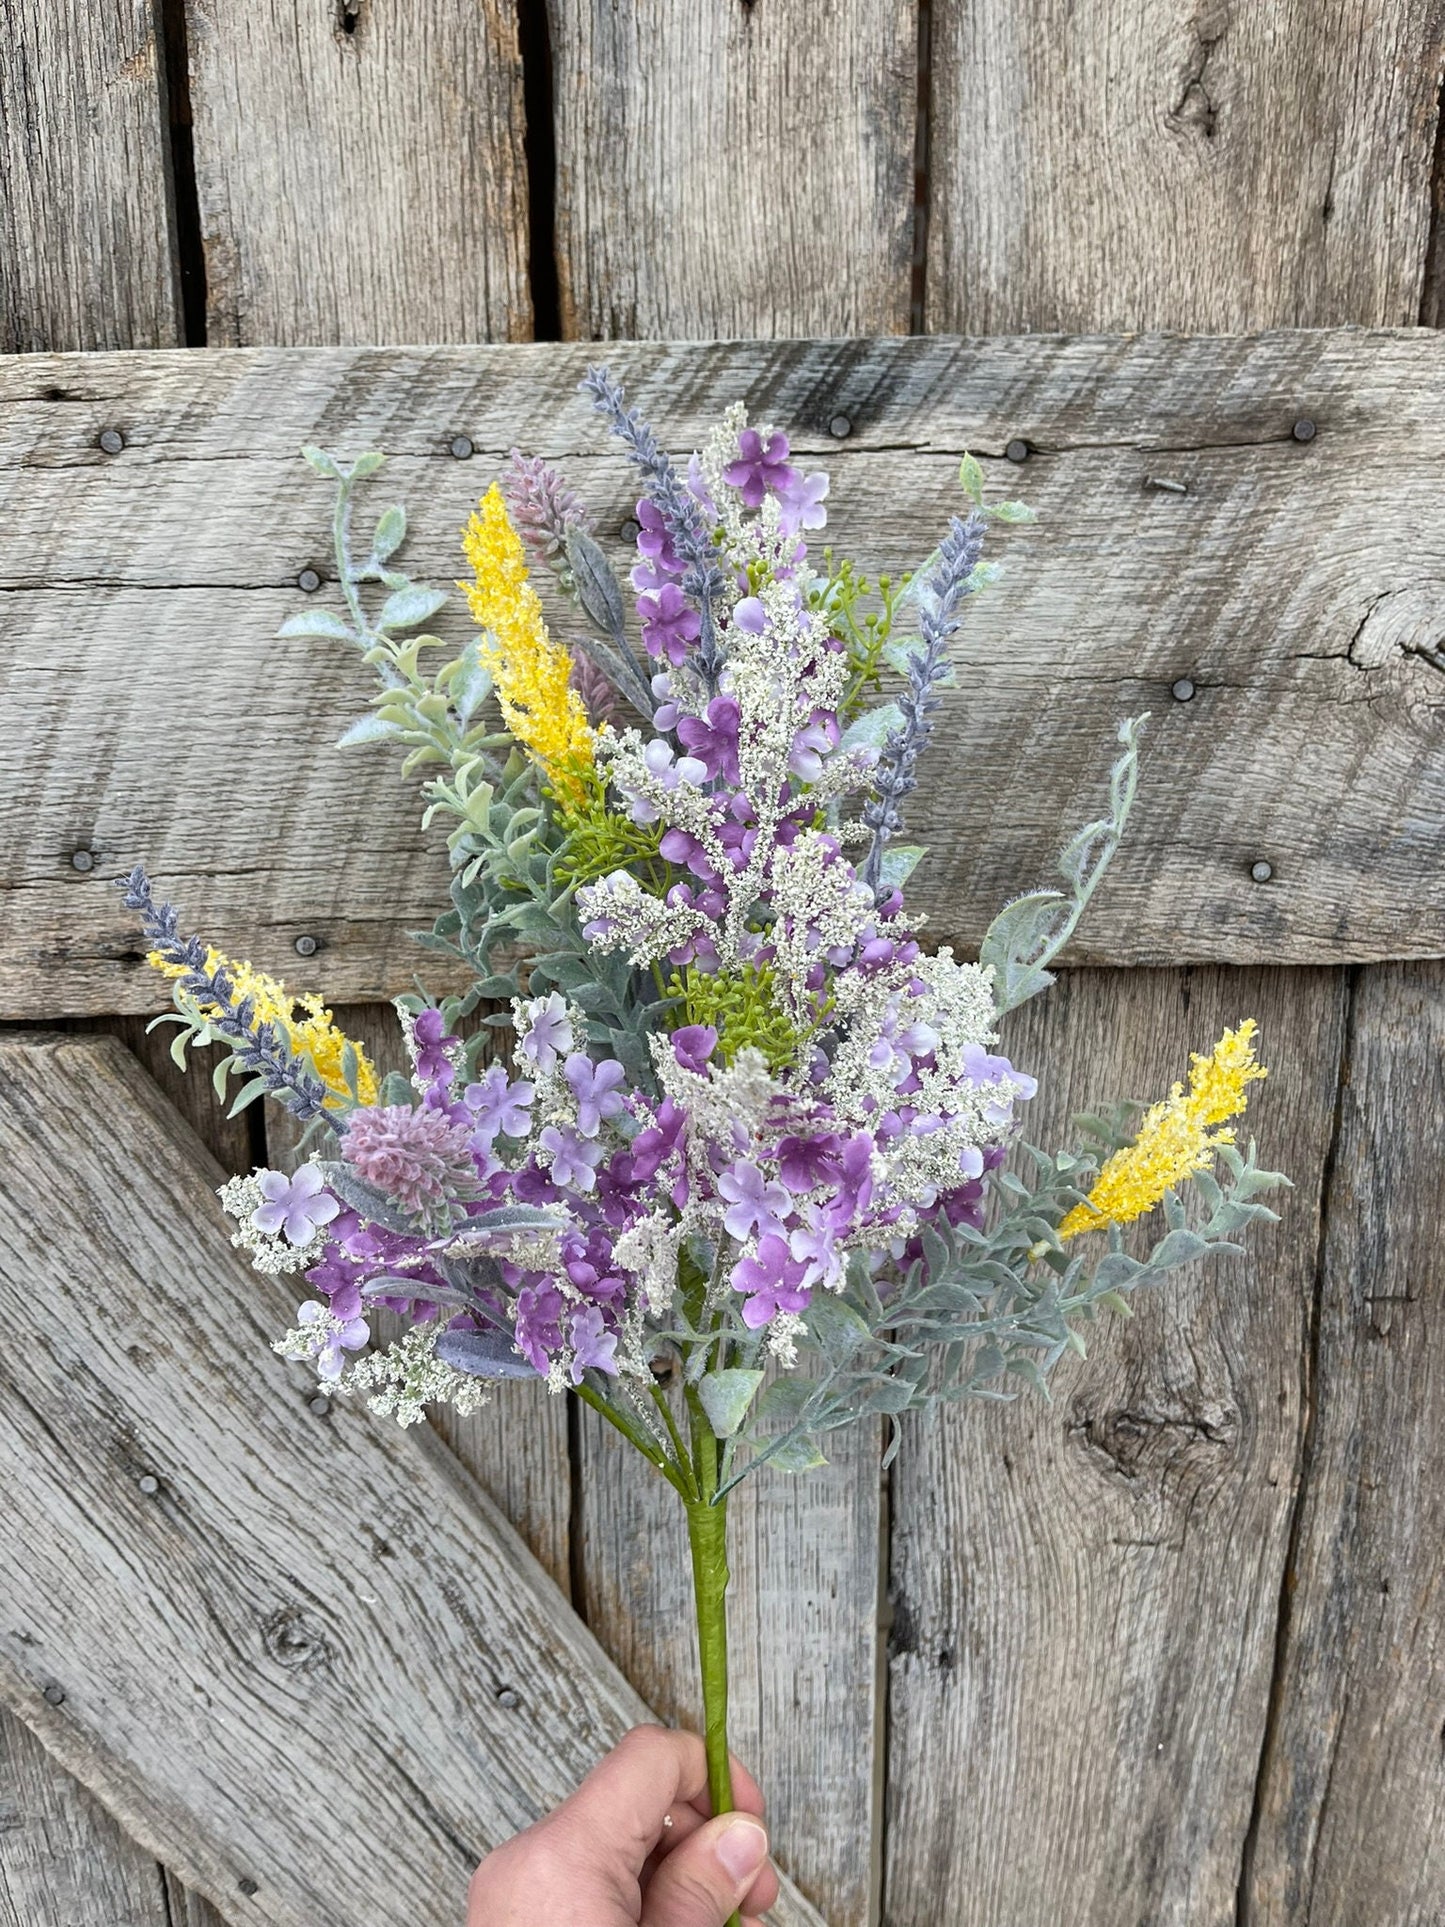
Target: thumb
705,1879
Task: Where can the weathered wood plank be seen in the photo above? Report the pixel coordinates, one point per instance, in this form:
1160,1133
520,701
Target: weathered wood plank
62,1858
323,1611
1143,164
85,233
803,1625
1295,584
1352,1808
734,170
360,171
1085,1592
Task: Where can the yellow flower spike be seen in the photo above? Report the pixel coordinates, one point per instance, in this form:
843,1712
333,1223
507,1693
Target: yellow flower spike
1176,1137
533,674
304,1022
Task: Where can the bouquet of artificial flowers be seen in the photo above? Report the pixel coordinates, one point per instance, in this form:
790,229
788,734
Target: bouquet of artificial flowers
749,1122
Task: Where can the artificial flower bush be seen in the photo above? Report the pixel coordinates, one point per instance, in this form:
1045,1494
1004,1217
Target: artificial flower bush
749,1121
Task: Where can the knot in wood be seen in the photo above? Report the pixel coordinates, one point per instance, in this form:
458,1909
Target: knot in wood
1160,1441
293,1642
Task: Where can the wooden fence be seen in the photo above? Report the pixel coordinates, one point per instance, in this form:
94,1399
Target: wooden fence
1169,1650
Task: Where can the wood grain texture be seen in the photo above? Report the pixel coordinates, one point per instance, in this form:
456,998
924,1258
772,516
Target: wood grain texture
732,169
320,1610
1085,1593
1352,1810
63,1860
1297,584
803,1631
85,229
360,171
1155,164
517,1447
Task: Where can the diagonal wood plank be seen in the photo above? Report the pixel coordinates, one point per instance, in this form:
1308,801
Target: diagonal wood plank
1085,1592
1352,1803
323,1611
86,248
1143,164
62,1857
360,171
734,170
1305,619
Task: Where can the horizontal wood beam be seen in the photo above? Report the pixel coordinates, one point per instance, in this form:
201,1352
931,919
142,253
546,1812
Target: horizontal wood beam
206,1586
1243,535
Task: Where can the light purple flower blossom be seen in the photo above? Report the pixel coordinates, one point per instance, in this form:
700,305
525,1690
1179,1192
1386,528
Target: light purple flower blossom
982,1068
670,624
771,1280
330,1337
433,1044
815,1247
592,1343
546,1031
595,1088
755,1204
572,1158
297,1205
803,503
501,1107
762,468
694,1044
749,614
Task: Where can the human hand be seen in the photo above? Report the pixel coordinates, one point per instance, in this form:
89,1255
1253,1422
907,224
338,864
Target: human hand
608,1857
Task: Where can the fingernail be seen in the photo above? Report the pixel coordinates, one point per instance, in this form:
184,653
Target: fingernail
741,1847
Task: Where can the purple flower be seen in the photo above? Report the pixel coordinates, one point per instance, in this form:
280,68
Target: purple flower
762,468
815,1247
571,1157
592,1343
546,1031
330,1337
713,739
433,1046
652,1147
772,1281
981,1068
811,744
750,615
670,624
539,1323
420,1157
543,507
755,1205
806,1162
501,1107
693,1045
297,1205
803,503
595,1088
654,538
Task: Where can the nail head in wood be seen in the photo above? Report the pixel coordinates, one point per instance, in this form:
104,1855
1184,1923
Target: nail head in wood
320,1405
306,946
507,1697
111,441
82,860
1017,450
248,1886
630,529
308,581
55,1694
841,427
461,447
1304,429
1183,690
150,1484
1261,871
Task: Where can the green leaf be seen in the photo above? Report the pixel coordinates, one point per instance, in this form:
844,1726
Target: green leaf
406,608
900,860
726,1397
324,463
1011,512
390,532
366,464
367,729
316,622
798,1455
470,684
873,727
970,479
